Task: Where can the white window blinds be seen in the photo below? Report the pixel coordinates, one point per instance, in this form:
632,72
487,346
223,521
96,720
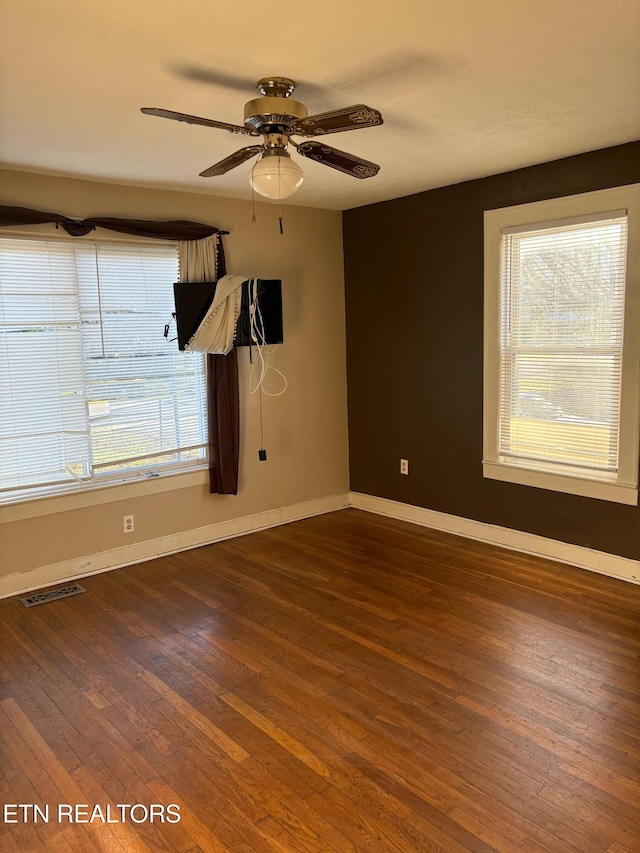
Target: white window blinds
90,389
562,311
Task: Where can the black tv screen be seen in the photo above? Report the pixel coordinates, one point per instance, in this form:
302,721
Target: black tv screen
193,299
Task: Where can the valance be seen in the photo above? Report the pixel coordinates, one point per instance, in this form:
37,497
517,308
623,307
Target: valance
177,229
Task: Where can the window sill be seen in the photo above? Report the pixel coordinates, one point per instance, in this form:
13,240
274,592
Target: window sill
607,491
103,494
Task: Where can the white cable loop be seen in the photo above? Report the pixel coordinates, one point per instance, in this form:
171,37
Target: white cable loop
258,339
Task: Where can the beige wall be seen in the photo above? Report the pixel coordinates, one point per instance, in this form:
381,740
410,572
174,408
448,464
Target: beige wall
305,429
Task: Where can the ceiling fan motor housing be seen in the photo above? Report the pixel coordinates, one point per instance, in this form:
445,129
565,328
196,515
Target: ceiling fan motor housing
272,110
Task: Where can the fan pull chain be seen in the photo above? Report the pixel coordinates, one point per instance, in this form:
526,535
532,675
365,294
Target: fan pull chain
279,200
253,197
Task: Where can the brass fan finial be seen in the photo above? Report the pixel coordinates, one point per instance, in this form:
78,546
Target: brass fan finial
280,87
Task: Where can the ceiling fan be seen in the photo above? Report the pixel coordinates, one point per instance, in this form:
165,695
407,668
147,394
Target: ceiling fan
276,117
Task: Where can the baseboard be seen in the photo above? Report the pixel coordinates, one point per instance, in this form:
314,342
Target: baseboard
104,561
621,568
612,565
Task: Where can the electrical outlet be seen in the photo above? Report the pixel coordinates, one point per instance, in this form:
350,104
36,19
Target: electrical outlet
404,466
127,521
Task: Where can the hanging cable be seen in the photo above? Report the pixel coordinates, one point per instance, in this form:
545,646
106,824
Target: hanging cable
258,338
262,453
261,421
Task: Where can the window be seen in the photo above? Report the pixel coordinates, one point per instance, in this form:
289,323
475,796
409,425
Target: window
91,392
562,343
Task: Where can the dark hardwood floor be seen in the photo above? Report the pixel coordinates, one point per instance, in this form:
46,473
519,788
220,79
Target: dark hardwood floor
345,683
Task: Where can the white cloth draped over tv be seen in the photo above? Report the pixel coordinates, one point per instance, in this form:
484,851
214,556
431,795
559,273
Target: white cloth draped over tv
217,330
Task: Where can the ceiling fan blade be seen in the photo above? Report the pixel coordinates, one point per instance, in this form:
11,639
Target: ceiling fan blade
212,76
340,160
202,74
206,122
335,121
230,162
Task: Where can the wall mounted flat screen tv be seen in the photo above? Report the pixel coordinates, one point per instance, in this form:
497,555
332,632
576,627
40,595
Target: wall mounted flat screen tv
193,299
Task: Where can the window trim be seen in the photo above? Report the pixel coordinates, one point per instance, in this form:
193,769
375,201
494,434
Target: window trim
602,202
114,487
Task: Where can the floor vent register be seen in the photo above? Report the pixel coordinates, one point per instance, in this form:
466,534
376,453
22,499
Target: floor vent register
52,595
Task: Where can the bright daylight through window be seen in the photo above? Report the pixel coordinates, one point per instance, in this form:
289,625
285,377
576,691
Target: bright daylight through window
90,390
561,347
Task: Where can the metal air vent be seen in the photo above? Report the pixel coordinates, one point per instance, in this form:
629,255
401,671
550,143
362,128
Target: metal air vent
52,595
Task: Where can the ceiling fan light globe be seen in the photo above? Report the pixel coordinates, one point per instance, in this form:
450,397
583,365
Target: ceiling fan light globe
276,177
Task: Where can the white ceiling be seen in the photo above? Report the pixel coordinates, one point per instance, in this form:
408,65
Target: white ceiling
467,87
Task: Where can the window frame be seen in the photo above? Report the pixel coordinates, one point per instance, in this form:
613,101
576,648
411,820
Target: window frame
26,503
624,489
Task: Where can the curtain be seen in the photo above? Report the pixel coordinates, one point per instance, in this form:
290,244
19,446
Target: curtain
203,260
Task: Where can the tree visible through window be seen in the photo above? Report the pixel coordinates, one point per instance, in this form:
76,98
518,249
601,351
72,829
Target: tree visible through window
90,389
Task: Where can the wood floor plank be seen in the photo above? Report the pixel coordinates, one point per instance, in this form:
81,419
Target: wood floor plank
344,684
278,734
226,744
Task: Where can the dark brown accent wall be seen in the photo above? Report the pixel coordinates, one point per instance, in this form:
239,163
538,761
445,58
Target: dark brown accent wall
414,294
